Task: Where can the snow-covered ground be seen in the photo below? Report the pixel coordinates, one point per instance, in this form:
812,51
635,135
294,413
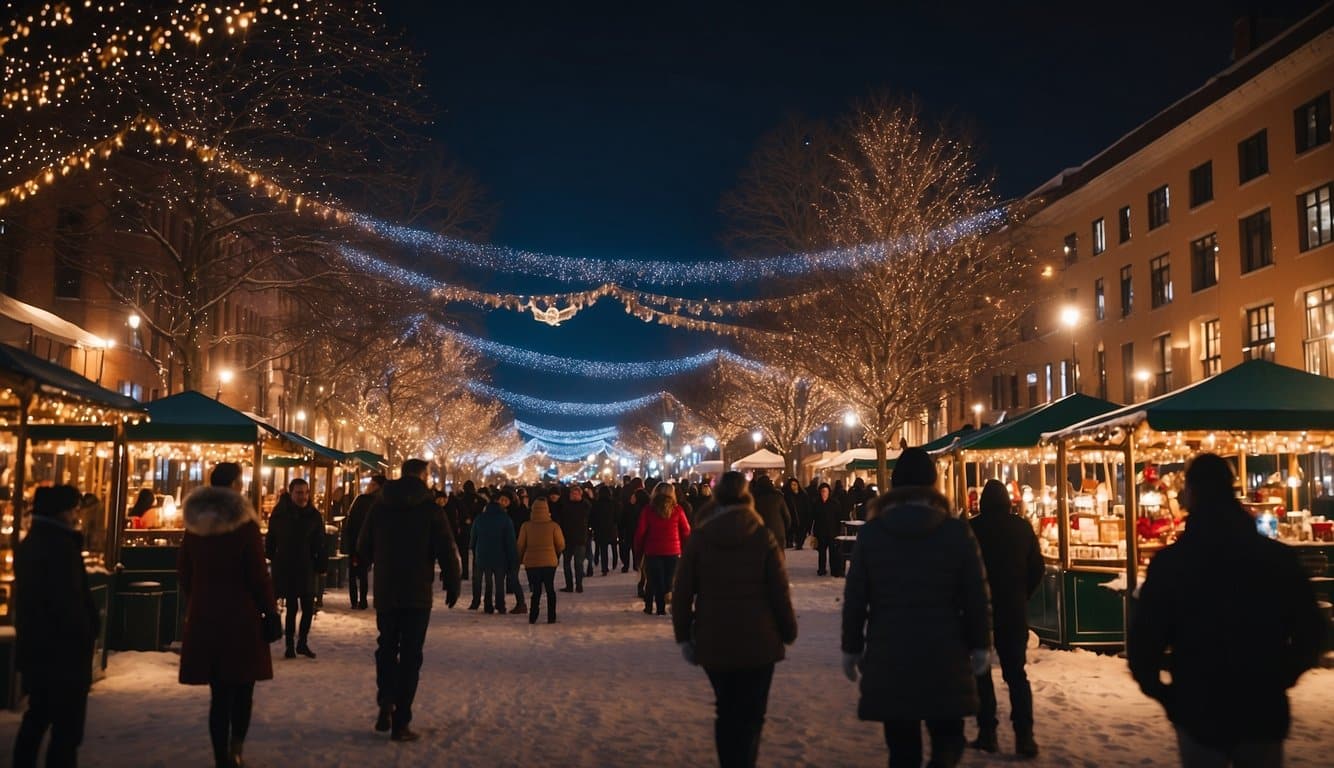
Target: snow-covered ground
606,687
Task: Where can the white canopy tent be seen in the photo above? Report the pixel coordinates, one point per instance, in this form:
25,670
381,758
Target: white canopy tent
761,459
839,461
714,468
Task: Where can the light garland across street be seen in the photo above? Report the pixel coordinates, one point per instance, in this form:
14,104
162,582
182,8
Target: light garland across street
558,408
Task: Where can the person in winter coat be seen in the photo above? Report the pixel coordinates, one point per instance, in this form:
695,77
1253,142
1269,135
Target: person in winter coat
466,507
771,507
56,625
798,505
1014,566
628,523
295,547
916,617
826,524
662,531
732,614
507,502
573,521
227,592
358,582
603,523
539,549
493,546
404,538
1239,618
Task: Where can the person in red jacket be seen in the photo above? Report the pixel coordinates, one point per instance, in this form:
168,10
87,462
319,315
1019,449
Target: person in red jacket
662,531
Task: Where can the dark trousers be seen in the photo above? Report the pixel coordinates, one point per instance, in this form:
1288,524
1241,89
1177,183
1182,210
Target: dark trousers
627,543
465,536
398,660
539,580
1246,754
742,697
904,739
228,716
830,556
607,551
574,556
358,584
307,603
493,580
63,710
1012,653
513,586
660,570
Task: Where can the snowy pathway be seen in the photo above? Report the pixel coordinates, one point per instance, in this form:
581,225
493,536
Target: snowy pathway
606,687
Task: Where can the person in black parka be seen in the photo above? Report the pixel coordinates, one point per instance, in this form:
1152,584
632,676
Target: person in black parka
1232,616
826,522
573,521
916,617
771,507
294,545
56,624
358,582
799,506
603,523
1014,569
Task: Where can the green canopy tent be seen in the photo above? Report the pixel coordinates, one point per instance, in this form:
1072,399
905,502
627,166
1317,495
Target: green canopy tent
371,461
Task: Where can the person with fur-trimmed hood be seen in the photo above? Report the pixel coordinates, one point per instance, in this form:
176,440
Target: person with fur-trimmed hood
916,617
227,591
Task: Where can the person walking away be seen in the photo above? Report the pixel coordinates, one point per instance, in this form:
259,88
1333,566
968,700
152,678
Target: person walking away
916,617
468,505
628,523
1235,615
603,523
799,506
663,529
358,583
493,545
512,586
540,545
56,624
732,614
405,536
295,547
573,521
1014,566
227,593
827,519
771,507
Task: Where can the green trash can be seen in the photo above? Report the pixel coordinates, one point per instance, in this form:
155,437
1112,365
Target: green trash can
140,617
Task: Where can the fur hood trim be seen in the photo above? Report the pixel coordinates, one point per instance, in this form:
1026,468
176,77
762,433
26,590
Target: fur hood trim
213,511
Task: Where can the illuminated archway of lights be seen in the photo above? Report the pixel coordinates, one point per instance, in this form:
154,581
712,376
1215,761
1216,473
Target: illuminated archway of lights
558,408
566,437
600,369
560,453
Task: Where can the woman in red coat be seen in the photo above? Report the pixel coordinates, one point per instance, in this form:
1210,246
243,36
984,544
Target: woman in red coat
662,531
227,590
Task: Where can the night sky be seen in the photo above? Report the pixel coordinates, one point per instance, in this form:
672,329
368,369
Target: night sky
613,129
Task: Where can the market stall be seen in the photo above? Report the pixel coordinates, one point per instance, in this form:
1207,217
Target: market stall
761,459
1256,414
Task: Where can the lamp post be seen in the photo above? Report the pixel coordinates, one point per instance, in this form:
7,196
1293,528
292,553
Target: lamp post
225,376
710,444
849,421
758,437
977,415
667,427
1143,376
1070,319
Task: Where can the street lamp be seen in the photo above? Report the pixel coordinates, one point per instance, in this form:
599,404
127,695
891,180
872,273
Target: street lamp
1070,319
667,427
710,443
758,437
1143,377
849,421
225,376
301,417
977,415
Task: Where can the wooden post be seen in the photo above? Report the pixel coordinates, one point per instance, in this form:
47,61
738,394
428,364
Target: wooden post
1241,469
256,489
1132,535
1062,536
119,495
25,395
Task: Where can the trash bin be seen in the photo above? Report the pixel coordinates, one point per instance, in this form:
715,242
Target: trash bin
140,617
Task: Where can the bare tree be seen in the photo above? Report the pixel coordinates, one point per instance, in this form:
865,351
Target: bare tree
722,398
789,408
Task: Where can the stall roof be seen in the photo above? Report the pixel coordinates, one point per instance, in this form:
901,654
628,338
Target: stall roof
1026,431
322,451
60,382
193,417
49,324
761,459
372,461
1255,396
946,440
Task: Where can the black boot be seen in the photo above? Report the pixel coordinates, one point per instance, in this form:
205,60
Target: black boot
303,649
236,754
1024,745
382,720
985,741
291,649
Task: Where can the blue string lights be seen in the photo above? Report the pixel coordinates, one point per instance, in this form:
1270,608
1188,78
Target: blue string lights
601,369
557,408
566,437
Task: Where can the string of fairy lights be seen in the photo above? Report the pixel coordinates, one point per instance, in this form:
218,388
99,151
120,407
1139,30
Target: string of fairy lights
601,369
521,402
567,436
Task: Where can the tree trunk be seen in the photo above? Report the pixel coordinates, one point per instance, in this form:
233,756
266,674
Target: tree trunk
881,465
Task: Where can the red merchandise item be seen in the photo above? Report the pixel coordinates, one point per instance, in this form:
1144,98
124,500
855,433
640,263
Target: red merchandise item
657,536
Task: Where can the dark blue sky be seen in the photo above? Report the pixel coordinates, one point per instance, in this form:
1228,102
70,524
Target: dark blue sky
613,129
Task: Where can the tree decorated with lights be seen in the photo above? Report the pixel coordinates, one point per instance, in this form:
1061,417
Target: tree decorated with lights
789,408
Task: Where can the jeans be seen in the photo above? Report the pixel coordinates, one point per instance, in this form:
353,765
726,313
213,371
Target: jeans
575,555
660,569
398,660
358,584
1011,651
307,603
540,579
493,579
904,739
1247,754
62,709
228,716
742,697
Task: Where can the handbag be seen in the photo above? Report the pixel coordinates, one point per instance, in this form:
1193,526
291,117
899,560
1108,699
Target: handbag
272,625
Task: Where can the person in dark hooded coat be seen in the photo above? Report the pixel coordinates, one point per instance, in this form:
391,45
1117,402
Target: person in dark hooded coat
603,522
799,507
358,577
827,519
916,617
295,547
771,507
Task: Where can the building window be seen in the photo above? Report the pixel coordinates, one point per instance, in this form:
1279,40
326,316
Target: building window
1128,371
1071,248
1204,262
1032,381
1257,242
1253,157
1201,184
1162,364
1099,236
1050,390
1099,300
1127,292
1158,204
1211,348
1100,362
70,240
11,256
1319,346
1160,281
1259,333
131,389
1123,223
1311,123
1313,210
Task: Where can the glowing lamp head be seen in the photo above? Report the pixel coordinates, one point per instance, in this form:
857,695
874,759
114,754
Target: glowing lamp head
1069,317
1142,375
667,427
133,321
850,418
301,415
226,375
977,409
757,436
429,456
710,443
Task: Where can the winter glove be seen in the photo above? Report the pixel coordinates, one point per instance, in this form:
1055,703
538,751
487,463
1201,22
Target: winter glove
980,659
851,662
688,652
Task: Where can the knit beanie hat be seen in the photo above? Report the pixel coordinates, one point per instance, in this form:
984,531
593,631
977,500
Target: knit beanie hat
914,467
